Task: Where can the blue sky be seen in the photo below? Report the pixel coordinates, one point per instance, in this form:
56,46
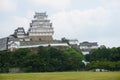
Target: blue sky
85,20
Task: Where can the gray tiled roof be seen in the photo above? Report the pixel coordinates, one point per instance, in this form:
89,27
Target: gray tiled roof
89,44
3,44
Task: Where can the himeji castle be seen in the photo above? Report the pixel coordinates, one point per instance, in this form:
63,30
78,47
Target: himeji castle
40,33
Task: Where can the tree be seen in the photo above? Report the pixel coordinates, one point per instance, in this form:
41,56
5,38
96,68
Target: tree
65,40
4,61
18,57
74,59
104,58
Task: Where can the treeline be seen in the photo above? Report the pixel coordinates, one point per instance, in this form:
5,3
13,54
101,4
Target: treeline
104,58
51,59
44,60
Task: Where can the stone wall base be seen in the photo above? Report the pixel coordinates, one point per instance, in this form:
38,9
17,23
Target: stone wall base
40,38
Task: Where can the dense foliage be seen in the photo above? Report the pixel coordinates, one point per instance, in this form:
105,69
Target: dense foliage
104,58
51,59
44,60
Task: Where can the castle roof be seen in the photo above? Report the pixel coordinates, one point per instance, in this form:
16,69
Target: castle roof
3,44
88,43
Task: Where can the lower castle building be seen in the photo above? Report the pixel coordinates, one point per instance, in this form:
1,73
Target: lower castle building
86,47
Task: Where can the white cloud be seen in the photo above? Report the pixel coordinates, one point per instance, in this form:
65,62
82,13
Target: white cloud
77,23
57,4
111,4
7,5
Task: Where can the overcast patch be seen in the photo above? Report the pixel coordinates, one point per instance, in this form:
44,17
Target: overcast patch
56,4
77,22
7,5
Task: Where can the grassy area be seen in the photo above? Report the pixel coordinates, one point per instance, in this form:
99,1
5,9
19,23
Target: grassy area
62,76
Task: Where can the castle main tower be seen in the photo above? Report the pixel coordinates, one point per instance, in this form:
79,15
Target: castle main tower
41,28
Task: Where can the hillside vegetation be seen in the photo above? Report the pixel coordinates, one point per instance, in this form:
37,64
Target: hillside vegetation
55,60
44,60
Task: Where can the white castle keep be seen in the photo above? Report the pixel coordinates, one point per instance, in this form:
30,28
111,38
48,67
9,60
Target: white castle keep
40,29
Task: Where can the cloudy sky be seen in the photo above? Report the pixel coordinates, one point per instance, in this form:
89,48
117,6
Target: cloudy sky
85,20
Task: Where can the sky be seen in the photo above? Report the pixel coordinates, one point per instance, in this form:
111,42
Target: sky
85,20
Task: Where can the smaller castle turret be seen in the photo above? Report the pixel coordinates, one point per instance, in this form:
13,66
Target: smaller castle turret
20,32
